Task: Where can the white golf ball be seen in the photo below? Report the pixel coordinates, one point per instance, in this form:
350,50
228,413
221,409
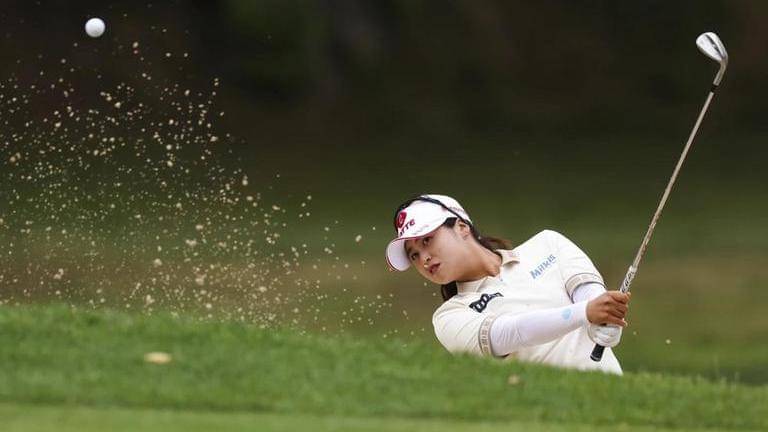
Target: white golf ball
94,27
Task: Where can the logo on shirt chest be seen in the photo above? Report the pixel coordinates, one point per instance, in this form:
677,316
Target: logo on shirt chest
480,305
543,267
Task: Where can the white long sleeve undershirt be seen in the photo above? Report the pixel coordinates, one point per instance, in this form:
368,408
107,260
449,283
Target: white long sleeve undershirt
587,291
511,332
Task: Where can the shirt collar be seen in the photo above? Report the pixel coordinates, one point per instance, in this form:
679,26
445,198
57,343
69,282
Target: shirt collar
507,256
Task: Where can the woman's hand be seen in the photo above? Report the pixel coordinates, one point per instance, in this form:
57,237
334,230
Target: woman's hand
605,335
609,308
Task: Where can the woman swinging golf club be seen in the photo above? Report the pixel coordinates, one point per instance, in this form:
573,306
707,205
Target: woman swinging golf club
542,301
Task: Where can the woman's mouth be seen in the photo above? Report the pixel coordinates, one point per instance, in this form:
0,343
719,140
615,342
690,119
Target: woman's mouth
433,268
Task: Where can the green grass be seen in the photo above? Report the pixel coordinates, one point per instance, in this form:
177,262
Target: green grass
57,360
32,418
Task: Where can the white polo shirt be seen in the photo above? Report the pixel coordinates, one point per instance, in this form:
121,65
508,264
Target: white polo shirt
541,273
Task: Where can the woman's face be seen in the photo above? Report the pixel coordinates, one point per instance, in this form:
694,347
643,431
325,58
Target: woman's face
439,255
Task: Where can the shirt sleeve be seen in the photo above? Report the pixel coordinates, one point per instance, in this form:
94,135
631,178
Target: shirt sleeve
575,266
462,330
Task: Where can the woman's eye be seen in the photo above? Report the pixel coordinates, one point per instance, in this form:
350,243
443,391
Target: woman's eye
414,256
426,240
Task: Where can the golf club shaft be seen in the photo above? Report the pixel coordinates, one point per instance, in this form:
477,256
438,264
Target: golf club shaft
597,352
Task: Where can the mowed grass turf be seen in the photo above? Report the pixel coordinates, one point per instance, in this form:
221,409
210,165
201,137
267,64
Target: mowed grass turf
31,418
88,367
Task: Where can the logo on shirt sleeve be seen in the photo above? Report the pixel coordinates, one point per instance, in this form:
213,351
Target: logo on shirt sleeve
481,304
543,267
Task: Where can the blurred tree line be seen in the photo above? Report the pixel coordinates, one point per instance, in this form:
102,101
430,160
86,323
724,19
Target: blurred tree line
384,66
493,63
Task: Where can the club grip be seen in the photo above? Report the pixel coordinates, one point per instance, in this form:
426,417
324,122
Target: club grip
597,353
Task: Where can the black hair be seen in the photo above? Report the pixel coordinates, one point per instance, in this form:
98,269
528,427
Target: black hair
491,243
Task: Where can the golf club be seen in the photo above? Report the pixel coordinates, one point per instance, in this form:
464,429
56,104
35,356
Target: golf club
712,47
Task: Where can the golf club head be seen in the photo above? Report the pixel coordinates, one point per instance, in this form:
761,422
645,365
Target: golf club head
712,47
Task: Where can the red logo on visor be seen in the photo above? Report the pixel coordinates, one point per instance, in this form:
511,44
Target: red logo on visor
400,219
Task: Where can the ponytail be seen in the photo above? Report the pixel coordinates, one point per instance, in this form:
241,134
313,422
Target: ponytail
491,243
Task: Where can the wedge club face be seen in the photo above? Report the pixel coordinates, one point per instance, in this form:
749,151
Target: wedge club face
713,47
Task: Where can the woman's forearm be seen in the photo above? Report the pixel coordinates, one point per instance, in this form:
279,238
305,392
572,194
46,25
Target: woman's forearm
511,332
587,291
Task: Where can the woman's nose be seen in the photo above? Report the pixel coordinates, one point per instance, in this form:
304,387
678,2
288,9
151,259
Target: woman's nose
425,259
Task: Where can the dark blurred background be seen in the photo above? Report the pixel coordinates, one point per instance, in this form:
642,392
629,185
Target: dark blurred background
379,85
534,115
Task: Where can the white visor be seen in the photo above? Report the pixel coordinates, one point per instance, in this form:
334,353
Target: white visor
417,220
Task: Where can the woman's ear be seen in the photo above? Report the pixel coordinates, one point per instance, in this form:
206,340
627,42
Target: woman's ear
464,230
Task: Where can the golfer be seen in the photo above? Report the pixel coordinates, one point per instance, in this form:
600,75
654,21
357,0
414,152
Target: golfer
543,301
